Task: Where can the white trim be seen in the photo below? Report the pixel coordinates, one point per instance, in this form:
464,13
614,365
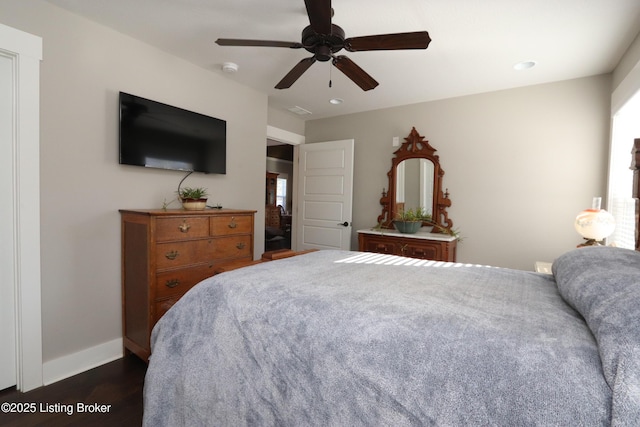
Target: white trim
276,160
26,49
285,136
20,42
72,364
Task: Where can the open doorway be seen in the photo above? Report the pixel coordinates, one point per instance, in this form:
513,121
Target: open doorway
278,195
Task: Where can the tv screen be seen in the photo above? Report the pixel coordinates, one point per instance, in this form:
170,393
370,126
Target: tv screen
157,135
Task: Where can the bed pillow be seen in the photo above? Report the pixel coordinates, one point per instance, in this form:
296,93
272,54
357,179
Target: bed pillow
603,285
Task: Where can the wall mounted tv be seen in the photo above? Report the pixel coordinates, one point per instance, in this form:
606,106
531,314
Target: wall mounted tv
157,135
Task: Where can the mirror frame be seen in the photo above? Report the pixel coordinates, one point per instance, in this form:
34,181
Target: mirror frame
415,147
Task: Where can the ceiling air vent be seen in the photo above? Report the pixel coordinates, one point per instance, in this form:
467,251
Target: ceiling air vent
299,111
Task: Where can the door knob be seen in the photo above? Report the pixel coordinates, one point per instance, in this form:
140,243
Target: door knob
344,224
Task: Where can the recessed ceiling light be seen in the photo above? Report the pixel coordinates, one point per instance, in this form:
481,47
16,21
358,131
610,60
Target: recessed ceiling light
336,101
524,65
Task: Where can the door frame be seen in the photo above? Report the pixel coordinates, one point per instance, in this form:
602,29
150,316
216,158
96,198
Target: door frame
26,51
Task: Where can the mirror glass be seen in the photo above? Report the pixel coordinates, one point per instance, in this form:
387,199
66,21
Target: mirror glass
414,185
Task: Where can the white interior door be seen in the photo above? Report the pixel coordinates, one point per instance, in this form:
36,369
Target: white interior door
325,195
20,324
8,372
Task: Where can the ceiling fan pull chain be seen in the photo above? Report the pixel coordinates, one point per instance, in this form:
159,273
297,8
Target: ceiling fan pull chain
330,74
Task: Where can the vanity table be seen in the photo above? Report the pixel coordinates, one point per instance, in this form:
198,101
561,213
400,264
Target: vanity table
434,246
415,185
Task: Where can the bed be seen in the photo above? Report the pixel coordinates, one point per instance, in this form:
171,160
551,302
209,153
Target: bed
334,338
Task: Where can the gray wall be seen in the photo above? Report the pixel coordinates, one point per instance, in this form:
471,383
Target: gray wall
519,164
82,185
628,62
285,120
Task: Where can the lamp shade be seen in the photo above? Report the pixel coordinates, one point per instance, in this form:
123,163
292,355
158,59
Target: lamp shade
596,224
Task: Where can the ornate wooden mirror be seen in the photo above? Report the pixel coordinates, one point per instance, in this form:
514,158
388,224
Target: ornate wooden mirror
415,181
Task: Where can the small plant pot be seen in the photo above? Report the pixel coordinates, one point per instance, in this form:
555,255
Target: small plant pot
194,204
408,227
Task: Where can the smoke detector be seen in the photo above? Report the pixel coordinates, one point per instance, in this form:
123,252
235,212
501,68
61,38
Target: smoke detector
230,67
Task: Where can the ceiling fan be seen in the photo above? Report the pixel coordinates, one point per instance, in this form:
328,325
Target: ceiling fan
324,39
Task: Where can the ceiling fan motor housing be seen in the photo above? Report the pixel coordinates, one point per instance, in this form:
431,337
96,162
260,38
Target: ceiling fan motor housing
323,46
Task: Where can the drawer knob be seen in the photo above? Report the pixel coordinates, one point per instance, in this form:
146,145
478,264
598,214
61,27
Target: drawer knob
240,245
233,224
171,255
184,227
172,283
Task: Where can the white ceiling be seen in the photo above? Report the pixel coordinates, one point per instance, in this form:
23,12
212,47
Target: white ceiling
475,44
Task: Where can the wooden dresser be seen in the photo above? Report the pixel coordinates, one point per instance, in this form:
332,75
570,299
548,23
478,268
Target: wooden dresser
165,253
434,246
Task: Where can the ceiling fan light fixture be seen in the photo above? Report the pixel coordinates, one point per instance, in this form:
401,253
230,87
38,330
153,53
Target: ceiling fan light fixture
230,67
524,65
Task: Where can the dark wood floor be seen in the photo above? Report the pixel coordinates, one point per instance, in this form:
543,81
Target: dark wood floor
118,384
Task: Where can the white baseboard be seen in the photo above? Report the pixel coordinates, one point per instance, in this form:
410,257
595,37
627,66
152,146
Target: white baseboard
75,363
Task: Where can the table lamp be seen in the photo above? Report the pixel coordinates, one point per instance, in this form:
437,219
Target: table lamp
594,224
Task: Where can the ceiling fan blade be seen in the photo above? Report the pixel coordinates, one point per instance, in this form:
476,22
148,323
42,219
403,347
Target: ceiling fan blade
262,43
415,40
354,72
319,12
295,73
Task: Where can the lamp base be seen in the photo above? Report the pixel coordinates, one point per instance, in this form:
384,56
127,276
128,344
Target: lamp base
590,242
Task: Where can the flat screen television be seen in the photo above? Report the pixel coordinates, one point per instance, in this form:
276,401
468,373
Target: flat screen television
157,135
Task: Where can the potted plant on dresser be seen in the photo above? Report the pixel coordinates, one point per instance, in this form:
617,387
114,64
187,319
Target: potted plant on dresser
193,199
410,221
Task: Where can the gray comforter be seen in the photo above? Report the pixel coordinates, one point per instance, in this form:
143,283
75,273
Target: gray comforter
352,339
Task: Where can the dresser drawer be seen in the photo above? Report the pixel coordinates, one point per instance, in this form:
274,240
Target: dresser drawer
423,251
178,254
380,246
181,228
233,247
231,224
177,282
421,245
162,306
